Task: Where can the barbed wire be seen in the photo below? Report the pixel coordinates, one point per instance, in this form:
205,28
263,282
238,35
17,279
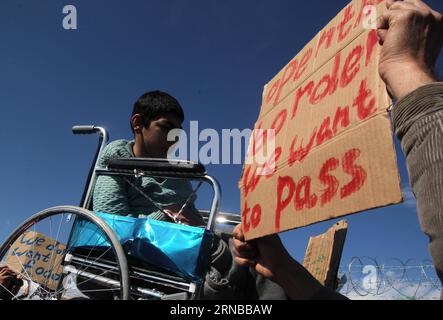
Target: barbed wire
370,278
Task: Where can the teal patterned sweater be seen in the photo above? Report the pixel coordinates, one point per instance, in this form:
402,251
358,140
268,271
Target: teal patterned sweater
113,195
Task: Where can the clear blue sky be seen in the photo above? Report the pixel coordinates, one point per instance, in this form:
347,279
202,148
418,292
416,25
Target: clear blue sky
214,56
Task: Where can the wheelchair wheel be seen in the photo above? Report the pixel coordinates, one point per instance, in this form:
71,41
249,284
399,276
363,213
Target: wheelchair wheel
51,265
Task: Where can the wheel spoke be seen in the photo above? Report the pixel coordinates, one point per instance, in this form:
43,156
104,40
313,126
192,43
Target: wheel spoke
89,279
95,244
91,263
27,274
100,290
56,242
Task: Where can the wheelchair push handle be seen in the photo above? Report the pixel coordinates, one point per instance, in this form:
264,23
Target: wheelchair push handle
103,139
91,129
84,129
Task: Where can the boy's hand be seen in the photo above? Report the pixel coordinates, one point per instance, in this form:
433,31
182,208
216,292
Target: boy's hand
186,217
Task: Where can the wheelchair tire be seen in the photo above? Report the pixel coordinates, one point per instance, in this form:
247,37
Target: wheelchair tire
119,255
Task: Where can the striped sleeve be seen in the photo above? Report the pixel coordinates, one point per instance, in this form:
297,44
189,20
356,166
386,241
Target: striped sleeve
418,119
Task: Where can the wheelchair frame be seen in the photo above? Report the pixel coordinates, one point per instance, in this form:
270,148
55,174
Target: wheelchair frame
152,168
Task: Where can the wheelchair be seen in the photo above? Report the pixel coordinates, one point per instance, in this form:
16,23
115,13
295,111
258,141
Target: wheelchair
70,253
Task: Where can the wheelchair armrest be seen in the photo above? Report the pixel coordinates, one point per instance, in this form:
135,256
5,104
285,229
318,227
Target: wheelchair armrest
158,166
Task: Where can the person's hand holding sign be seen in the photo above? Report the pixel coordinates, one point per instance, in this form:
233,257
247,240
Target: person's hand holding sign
269,258
412,35
265,255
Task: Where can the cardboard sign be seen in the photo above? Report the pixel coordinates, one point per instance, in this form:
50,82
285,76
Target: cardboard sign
37,257
333,149
323,255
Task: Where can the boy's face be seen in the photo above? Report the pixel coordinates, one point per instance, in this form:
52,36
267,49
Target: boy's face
154,137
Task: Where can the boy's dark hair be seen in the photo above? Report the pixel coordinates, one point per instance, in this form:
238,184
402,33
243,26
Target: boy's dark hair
154,104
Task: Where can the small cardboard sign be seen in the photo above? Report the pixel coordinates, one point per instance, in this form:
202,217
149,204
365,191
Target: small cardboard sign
327,139
37,257
323,255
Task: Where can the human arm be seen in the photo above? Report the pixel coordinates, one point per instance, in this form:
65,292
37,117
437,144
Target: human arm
412,37
418,119
269,258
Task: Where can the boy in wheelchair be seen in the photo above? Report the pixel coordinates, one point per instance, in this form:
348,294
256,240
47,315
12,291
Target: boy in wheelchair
154,115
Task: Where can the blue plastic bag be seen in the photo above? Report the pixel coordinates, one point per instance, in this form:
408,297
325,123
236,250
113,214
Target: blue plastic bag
181,249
